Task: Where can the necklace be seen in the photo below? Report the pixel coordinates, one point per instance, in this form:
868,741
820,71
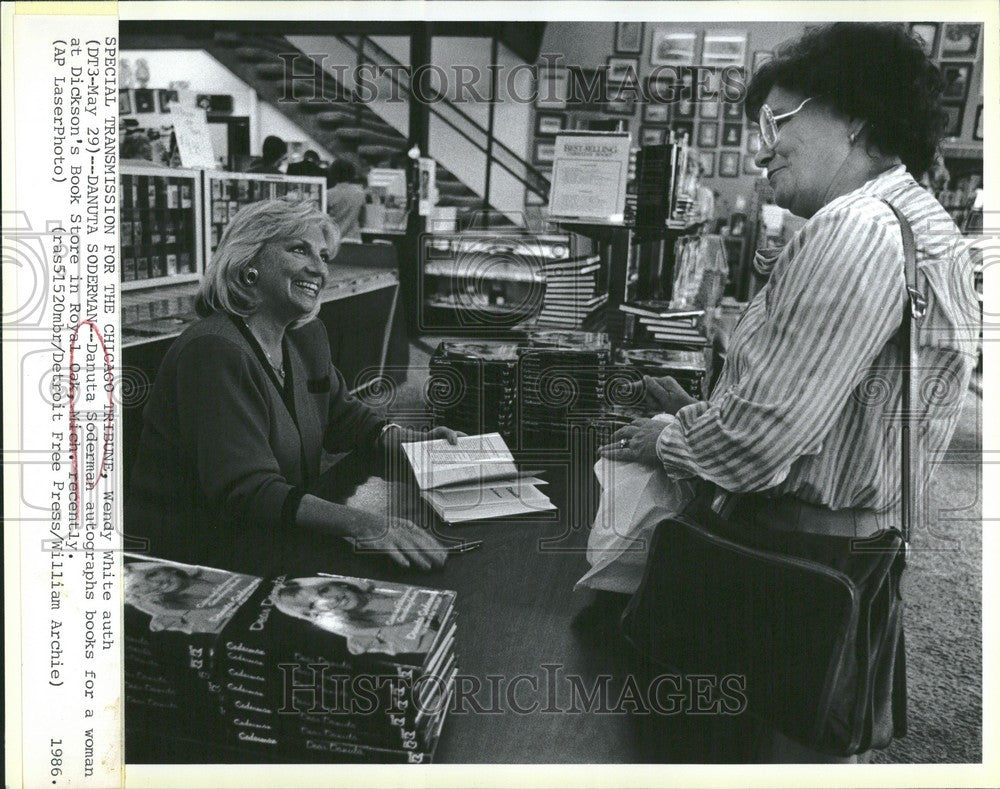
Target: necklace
278,368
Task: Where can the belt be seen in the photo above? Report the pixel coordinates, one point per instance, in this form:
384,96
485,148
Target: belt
787,513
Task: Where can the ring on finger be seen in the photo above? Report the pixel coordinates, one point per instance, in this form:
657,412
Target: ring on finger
623,443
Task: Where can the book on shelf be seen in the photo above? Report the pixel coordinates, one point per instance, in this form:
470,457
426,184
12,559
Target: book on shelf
475,479
571,271
571,263
576,303
558,320
661,309
681,339
667,326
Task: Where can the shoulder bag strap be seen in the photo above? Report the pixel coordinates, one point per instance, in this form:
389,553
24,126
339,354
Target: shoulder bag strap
913,310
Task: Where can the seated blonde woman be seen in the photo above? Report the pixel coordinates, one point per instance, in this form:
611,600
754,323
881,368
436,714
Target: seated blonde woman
246,402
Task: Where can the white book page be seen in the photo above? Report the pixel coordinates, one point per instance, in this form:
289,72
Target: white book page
436,463
468,498
487,504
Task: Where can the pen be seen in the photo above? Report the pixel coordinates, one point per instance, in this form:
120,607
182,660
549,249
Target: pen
465,547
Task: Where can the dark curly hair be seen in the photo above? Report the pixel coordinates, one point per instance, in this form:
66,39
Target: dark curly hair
873,71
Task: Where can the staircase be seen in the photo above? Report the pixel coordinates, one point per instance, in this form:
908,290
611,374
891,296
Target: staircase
349,129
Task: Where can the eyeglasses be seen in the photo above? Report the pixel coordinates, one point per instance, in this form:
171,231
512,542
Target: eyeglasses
768,122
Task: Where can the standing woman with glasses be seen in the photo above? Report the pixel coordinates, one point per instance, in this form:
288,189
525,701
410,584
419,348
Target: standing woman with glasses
799,425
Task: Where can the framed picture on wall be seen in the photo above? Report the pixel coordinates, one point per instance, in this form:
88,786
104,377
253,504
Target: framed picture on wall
166,97
683,127
622,106
732,135
960,40
708,164
651,135
553,88
124,102
732,111
708,135
977,130
655,113
753,140
549,123
144,100
729,164
604,124
760,57
953,126
661,89
629,37
545,152
956,81
623,70
928,33
673,47
724,49
684,109
708,109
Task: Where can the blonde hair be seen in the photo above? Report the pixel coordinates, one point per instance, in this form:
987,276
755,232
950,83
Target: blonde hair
223,288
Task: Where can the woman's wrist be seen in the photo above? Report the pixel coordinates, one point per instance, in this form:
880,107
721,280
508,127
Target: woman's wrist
325,517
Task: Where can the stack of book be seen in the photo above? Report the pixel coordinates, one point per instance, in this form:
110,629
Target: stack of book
571,292
563,381
650,322
473,386
688,368
323,668
174,616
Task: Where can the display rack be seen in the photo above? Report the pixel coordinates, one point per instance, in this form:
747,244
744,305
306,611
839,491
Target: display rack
225,193
485,280
160,221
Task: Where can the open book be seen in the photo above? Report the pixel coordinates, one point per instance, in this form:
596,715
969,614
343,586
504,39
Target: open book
475,479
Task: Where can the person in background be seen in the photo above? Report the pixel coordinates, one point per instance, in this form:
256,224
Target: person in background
345,198
704,202
228,470
274,151
310,165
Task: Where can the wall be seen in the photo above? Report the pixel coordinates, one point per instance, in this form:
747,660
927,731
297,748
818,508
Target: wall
206,75
589,44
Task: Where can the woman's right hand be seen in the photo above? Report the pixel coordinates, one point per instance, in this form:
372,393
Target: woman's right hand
665,395
407,544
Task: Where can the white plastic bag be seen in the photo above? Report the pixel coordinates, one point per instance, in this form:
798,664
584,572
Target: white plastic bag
634,499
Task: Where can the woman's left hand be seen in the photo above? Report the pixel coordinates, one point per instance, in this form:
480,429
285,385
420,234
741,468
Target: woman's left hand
639,446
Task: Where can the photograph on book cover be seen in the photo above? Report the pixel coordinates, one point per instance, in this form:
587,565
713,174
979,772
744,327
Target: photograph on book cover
373,399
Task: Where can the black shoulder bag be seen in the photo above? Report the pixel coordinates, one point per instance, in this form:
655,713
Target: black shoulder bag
812,623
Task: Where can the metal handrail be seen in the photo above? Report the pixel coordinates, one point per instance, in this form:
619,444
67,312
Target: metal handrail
438,97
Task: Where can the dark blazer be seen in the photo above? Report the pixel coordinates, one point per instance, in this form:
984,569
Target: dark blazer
223,461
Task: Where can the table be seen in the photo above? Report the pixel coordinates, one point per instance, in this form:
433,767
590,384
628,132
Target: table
517,615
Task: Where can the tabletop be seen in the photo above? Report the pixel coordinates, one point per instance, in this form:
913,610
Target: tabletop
540,664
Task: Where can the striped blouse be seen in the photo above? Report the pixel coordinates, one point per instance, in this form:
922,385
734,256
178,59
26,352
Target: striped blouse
808,401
